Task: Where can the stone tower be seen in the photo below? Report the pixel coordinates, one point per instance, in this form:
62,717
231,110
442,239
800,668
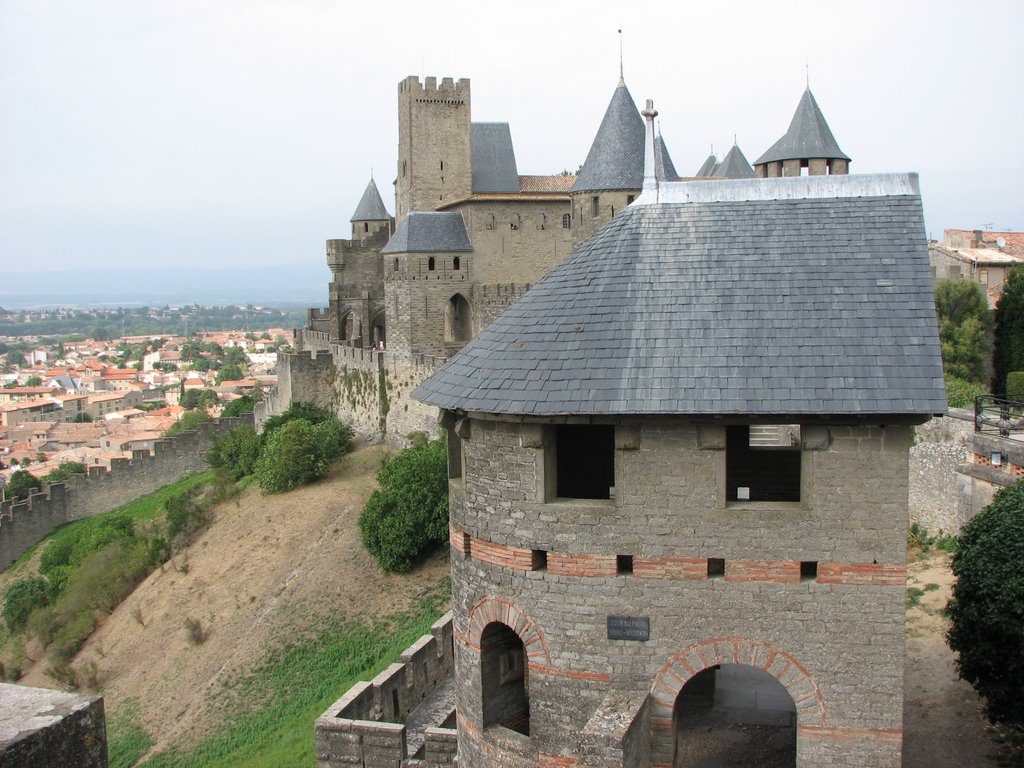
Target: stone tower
807,144
674,466
434,144
370,215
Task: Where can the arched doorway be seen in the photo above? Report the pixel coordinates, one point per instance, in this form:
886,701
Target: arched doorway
504,679
378,330
458,326
732,715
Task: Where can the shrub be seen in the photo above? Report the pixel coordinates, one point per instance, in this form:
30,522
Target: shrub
243,404
195,631
292,456
236,452
21,597
335,438
64,471
1015,386
184,515
188,421
408,517
21,484
961,393
295,411
987,607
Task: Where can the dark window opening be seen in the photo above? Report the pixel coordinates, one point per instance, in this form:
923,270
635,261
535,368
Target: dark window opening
454,455
585,461
504,679
623,565
366,226
396,265
456,263
566,220
442,165
808,570
430,264
539,560
394,705
595,207
762,463
716,567
630,199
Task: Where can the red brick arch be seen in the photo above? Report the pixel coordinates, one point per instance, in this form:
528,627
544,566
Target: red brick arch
490,609
776,661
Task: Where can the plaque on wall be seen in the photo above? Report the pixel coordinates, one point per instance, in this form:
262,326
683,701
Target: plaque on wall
629,628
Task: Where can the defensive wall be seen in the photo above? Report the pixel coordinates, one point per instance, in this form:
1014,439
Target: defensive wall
40,728
939,492
24,523
382,724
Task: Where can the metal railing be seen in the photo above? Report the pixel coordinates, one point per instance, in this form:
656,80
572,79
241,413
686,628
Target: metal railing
996,416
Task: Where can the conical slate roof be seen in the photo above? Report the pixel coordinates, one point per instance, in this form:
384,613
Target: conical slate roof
708,169
808,136
616,158
727,297
429,231
663,164
371,207
734,166
494,158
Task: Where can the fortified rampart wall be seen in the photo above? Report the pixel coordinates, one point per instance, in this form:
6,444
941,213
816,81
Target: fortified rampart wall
937,490
24,523
367,726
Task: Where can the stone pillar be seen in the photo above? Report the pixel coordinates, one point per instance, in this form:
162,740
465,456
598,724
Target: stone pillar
817,166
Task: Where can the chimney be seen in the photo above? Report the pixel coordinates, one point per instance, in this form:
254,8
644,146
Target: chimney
979,239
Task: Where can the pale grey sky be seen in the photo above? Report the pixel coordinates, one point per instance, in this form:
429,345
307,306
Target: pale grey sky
142,133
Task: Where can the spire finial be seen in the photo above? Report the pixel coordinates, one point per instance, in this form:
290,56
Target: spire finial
734,141
807,72
622,79
650,166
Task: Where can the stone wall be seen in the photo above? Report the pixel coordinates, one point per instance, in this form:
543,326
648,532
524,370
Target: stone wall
609,203
366,726
40,728
936,487
24,523
811,591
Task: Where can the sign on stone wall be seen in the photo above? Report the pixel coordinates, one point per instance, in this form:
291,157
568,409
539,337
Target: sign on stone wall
629,628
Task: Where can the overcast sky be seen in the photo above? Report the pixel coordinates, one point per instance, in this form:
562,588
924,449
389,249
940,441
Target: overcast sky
140,133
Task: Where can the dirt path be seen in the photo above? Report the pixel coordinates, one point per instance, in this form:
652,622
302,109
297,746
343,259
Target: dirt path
942,727
268,565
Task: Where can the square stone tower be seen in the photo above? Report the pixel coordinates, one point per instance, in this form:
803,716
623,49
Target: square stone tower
680,461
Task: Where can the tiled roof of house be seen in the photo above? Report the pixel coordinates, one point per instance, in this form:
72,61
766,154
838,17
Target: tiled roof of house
792,296
424,231
494,158
371,207
557,183
616,158
808,136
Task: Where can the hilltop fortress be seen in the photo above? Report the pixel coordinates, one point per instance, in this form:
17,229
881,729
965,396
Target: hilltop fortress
469,236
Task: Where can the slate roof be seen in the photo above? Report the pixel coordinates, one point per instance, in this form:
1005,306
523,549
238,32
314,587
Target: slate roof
494,158
708,169
808,136
793,296
734,166
429,231
663,164
371,207
616,158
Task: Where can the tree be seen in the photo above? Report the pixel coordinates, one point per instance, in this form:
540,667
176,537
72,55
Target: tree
236,453
1008,352
22,483
292,456
188,421
229,372
408,517
82,417
33,381
15,358
964,326
198,398
21,597
65,470
244,404
987,607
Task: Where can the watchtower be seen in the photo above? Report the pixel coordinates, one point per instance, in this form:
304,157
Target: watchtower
808,143
434,144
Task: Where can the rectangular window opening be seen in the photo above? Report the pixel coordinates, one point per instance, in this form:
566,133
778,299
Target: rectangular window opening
762,462
584,461
716,567
595,206
624,565
808,570
539,560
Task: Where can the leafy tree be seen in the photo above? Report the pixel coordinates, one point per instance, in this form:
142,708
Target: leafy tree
1008,353
188,421
408,517
961,394
309,413
15,358
236,453
198,398
201,364
235,355
229,372
292,456
64,471
34,381
964,326
82,417
21,484
987,607
243,404
21,597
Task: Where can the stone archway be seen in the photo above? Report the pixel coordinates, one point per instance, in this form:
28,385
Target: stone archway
458,321
695,658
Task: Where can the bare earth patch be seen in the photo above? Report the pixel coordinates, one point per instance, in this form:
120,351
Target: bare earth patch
264,571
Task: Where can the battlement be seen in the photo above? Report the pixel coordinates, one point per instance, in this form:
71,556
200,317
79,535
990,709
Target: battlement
24,523
401,711
448,92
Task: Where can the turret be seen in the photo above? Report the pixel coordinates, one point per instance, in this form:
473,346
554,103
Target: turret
807,144
370,215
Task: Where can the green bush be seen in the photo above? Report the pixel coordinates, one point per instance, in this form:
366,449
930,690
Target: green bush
987,607
236,453
961,393
243,404
309,413
1015,386
184,515
408,517
21,484
188,421
292,456
64,471
335,438
21,597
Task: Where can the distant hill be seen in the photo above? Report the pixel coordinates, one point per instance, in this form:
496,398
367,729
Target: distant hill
289,285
